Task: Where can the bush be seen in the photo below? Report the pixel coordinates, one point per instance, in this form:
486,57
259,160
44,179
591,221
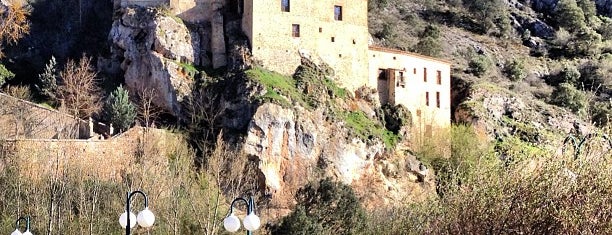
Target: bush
545,196
487,13
119,110
396,117
570,16
429,42
569,74
326,207
601,113
479,65
5,75
568,96
515,70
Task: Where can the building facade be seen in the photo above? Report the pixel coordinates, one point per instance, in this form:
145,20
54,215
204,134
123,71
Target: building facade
334,31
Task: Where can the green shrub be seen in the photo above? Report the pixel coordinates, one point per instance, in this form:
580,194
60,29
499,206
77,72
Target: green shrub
515,70
429,42
479,65
566,95
326,207
5,75
570,16
601,113
569,74
488,13
396,117
595,75
119,110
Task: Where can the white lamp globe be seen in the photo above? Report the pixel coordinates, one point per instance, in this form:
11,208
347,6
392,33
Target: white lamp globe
146,218
231,223
16,232
251,222
27,232
123,220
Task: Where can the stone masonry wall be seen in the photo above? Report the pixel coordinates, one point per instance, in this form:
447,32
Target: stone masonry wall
24,119
104,159
343,45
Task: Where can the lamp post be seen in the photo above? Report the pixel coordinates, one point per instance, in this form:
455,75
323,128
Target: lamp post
577,146
27,232
145,218
231,223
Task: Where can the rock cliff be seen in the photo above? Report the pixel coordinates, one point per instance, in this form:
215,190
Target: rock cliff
296,146
155,52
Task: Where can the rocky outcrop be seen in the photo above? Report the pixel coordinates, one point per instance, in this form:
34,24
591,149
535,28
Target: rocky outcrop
294,147
501,113
152,49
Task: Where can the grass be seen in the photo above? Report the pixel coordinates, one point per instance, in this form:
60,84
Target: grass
367,128
338,91
279,89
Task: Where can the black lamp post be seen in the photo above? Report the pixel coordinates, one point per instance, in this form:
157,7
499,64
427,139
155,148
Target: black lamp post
145,218
231,223
27,231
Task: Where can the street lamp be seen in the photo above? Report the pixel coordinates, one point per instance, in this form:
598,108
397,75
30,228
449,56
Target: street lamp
231,223
145,218
27,232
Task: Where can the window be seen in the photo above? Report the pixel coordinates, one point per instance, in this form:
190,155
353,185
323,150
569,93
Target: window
320,30
285,5
414,70
401,80
338,13
333,39
426,98
439,77
437,99
424,74
296,31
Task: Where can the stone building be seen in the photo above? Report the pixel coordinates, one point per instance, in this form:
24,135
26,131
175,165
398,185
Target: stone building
280,32
336,32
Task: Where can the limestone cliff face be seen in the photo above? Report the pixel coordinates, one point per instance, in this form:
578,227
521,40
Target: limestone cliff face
295,146
150,48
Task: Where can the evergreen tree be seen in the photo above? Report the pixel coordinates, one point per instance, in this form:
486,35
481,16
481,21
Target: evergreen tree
48,81
570,16
429,44
5,75
119,110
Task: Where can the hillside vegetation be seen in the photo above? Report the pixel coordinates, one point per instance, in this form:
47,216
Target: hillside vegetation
525,76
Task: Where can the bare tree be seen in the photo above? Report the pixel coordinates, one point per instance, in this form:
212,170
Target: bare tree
13,22
78,90
147,111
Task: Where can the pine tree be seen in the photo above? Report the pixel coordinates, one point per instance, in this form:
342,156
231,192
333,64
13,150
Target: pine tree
48,81
119,110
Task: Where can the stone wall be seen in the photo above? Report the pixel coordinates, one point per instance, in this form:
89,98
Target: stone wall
341,44
104,159
27,120
420,77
